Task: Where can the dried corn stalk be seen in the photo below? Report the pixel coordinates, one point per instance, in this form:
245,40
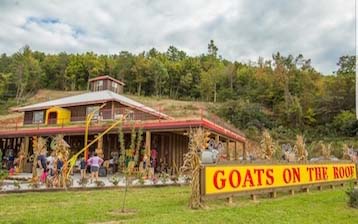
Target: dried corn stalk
300,149
325,150
267,146
39,145
21,159
99,149
62,152
348,153
198,140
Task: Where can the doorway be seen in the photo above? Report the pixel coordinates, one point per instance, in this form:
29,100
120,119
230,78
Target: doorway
52,118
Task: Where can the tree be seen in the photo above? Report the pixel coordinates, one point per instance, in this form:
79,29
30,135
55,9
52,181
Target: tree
212,49
54,67
139,70
27,73
75,74
160,75
209,82
346,65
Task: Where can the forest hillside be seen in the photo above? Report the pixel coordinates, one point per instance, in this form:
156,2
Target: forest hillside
284,93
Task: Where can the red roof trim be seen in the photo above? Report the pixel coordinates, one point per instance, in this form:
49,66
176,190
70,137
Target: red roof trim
147,126
106,77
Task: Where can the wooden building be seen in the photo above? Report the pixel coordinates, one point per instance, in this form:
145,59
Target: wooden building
67,116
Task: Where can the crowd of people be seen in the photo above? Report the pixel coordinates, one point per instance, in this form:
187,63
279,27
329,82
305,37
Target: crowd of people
51,165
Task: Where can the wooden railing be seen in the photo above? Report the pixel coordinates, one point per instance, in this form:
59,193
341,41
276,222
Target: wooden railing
107,115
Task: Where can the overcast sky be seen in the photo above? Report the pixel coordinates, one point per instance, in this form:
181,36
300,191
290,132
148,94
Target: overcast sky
243,30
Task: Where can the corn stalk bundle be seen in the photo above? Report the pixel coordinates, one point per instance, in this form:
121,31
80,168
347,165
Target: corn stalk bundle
122,151
267,146
21,158
300,149
325,150
348,153
198,140
138,144
39,145
62,152
99,149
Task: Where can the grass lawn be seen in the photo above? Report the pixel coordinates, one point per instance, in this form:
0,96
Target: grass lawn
169,205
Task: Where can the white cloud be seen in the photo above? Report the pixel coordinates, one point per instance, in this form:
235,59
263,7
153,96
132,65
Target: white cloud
243,30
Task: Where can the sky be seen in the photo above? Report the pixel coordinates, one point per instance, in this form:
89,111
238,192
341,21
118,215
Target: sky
243,30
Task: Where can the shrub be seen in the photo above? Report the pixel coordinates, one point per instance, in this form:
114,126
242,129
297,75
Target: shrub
244,114
352,193
164,177
114,180
83,182
99,183
140,177
345,123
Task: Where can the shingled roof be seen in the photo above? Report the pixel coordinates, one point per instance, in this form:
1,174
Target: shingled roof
91,98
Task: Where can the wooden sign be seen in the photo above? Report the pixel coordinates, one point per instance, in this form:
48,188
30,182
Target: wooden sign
222,179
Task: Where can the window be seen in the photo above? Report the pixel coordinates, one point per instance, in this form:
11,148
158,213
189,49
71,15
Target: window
38,117
91,109
114,86
98,85
130,114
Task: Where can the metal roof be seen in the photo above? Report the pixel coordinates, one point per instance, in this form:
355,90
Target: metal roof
91,98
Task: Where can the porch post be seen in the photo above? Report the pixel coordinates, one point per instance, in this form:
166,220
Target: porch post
147,147
217,139
26,146
99,149
244,151
228,150
112,115
235,149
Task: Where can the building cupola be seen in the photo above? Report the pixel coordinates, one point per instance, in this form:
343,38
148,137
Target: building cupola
106,83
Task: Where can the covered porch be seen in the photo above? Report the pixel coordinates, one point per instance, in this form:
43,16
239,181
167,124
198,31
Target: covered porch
167,141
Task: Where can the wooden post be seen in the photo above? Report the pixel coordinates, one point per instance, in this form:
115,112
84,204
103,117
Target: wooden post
292,192
100,143
147,147
99,149
217,139
320,188
230,200
26,146
235,148
112,114
306,190
253,197
332,186
228,150
244,151
273,194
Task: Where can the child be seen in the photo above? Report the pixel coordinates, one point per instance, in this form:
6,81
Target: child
83,167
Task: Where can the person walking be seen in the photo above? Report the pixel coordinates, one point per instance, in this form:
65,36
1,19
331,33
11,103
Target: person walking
51,161
83,168
42,167
95,162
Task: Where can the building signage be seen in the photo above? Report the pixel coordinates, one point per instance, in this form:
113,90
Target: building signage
236,178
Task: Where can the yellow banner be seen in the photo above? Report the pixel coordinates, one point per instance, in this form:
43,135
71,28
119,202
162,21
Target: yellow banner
235,178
